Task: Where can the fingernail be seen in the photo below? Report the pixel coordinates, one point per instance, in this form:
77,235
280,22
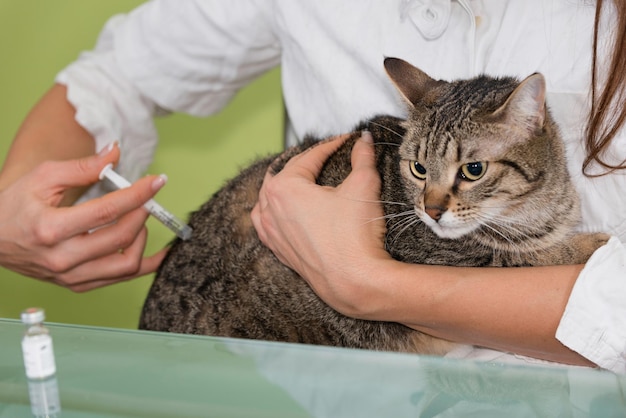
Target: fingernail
105,150
159,182
366,136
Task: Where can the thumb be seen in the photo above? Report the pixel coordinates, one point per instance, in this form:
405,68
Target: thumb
362,156
308,164
363,182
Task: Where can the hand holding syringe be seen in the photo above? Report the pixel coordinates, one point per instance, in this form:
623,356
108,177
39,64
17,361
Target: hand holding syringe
166,218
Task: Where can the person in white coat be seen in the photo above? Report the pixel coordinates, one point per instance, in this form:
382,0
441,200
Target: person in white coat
193,56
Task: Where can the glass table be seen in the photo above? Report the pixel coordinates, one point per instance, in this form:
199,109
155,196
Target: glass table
103,372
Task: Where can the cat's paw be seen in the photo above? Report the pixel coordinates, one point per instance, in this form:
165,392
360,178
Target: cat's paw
586,244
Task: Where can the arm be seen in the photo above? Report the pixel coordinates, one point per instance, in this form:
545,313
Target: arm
49,132
515,309
49,164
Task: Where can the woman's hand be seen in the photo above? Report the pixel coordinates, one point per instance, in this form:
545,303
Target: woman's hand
330,236
89,245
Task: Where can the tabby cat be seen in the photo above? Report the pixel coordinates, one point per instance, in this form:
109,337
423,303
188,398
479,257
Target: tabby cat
475,176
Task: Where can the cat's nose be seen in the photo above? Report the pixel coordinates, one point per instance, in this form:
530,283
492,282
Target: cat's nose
435,212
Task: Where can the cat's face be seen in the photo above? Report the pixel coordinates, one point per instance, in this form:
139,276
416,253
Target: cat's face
455,182
465,160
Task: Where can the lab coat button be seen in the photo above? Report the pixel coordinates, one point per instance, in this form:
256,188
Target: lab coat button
431,17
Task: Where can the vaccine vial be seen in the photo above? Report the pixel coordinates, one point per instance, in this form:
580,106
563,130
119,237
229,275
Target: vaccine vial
37,345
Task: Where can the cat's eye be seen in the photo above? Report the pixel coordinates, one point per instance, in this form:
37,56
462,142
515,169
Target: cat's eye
473,171
417,170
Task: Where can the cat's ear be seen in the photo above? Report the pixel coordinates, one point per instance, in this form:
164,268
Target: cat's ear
526,106
413,83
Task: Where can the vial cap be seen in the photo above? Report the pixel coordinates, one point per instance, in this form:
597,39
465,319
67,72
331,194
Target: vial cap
33,315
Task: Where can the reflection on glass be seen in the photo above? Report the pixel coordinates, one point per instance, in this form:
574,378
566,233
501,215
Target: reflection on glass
349,383
44,398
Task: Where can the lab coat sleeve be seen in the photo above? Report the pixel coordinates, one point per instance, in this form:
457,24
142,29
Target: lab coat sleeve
594,321
166,56
109,107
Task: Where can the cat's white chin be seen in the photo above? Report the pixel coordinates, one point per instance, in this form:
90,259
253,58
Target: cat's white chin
448,230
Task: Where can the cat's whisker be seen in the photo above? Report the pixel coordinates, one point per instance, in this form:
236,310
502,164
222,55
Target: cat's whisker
514,225
387,202
387,143
409,223
399,225
505,228
397,215
396,225
371,122
410,219
517,245
486,225
391,216
501,222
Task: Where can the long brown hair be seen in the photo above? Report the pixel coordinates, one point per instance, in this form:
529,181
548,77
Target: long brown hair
608,103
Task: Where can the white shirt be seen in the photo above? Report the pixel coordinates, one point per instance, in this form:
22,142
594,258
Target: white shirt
193,56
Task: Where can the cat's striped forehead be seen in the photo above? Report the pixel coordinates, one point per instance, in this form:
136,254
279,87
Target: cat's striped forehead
449,124
456,103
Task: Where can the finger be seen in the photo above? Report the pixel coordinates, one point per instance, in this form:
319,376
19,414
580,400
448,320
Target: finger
100,211
309,164
151,264
364,170
109,239
67,255
298,167
363,182
112,268
104,271
255,216
148,266
363,152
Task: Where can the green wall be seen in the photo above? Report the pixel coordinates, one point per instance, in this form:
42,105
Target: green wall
37,39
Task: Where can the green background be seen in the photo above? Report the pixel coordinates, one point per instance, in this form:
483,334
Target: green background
38,38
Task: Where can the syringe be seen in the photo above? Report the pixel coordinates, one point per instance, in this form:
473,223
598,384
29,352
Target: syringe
166,218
